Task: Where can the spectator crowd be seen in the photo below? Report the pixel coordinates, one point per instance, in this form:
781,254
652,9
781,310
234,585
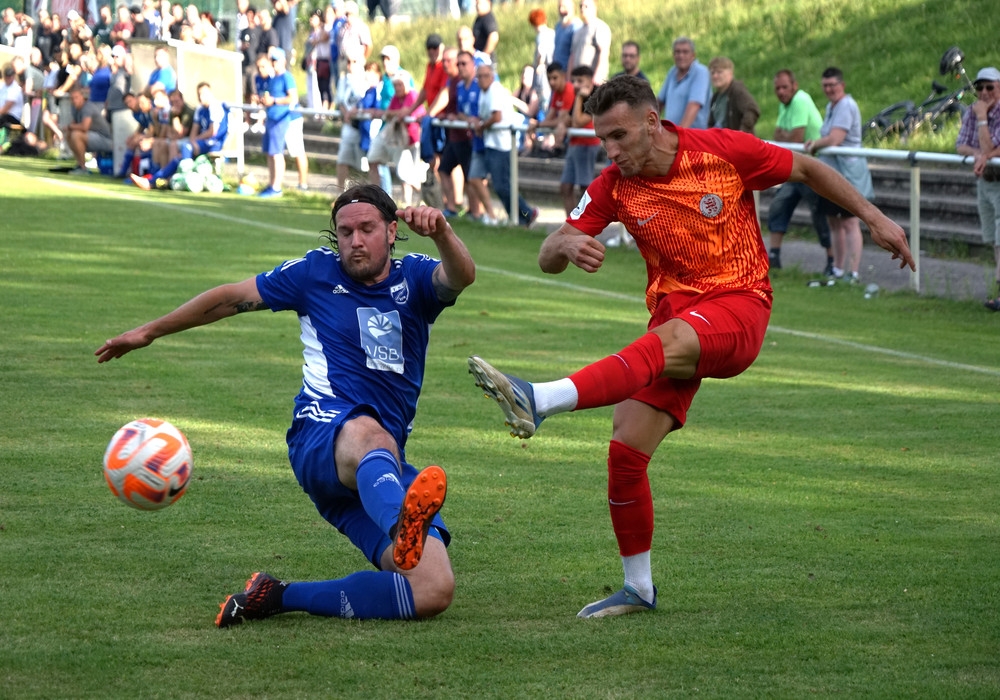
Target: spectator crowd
78,72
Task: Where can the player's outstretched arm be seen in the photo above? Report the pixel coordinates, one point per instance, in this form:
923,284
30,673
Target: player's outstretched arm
566,245
215,304
828,183
457,269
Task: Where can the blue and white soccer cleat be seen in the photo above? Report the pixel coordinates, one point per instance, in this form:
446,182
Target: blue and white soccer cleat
515,396
622,602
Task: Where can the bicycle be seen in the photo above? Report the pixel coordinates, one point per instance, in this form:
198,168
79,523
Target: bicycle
904,118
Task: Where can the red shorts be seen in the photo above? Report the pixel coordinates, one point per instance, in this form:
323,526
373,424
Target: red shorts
730,326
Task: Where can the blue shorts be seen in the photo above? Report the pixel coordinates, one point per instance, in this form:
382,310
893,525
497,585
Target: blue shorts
314,430
208,146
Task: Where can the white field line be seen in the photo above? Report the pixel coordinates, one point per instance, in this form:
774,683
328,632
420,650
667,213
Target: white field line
540,279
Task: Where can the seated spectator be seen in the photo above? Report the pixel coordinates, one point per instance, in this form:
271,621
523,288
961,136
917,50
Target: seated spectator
208,132
88,130
138,144
11,100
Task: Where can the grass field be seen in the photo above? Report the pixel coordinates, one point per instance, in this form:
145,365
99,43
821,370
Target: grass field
826,523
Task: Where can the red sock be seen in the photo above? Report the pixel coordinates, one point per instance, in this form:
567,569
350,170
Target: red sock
629,499
616,377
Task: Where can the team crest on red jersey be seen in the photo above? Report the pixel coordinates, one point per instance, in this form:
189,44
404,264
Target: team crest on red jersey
710,206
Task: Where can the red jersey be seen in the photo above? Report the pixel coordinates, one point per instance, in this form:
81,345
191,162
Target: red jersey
696,227
435,80
562,101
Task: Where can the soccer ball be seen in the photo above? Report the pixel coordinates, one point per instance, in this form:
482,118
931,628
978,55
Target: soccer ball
147,464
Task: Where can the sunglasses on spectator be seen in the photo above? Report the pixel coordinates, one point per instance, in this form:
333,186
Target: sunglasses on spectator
988,87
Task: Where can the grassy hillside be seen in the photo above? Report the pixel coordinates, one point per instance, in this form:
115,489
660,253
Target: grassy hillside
888,49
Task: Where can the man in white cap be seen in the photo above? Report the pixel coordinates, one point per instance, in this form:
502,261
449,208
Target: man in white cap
979,137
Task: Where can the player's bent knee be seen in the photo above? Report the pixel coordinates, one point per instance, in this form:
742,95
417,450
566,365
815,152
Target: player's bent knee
432,581
681,348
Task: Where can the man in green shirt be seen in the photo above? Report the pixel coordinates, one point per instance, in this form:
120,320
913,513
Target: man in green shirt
798,121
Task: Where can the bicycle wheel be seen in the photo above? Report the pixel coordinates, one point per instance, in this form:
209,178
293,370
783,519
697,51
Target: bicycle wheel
889,122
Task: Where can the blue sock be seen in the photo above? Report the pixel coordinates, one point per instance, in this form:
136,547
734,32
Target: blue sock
379,488
126,164
363,595
167,171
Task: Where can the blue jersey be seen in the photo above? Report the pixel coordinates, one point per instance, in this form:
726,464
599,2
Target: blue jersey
468,105
363,344
166,77
205,117
278,86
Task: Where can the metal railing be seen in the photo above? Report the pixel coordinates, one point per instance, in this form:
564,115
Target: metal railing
911,158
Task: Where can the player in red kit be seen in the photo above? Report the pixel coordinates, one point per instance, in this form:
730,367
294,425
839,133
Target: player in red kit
686,196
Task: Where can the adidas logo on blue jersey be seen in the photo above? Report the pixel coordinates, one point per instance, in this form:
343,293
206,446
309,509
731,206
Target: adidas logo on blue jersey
339,289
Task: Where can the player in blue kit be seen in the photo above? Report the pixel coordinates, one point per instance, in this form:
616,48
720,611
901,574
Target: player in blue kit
366,320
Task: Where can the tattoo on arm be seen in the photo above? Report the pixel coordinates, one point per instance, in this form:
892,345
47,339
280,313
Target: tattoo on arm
243,306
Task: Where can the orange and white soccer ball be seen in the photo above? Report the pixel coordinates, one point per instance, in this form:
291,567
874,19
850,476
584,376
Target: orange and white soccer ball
147,464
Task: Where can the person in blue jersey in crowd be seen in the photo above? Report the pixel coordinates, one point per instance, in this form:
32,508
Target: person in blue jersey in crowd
163,76
277,92
208,133
366,318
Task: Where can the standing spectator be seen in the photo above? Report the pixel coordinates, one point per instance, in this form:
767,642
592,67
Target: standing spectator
278,93
558,111
243,18
356,406
178,22
732,106
397,138
284,23
467,42
385,5
163,77
100,79
354,34
88,130
141,29
333,23
707,293
268,37
496,114
686,93
318,61
48,40
563,34
798,121
122,29
209,34
390,66
486,30
842,127
591,43
433,99
979,137
351,89
102,30
31,77
545,46
248,39
457,152
527,104
631,55
582,151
